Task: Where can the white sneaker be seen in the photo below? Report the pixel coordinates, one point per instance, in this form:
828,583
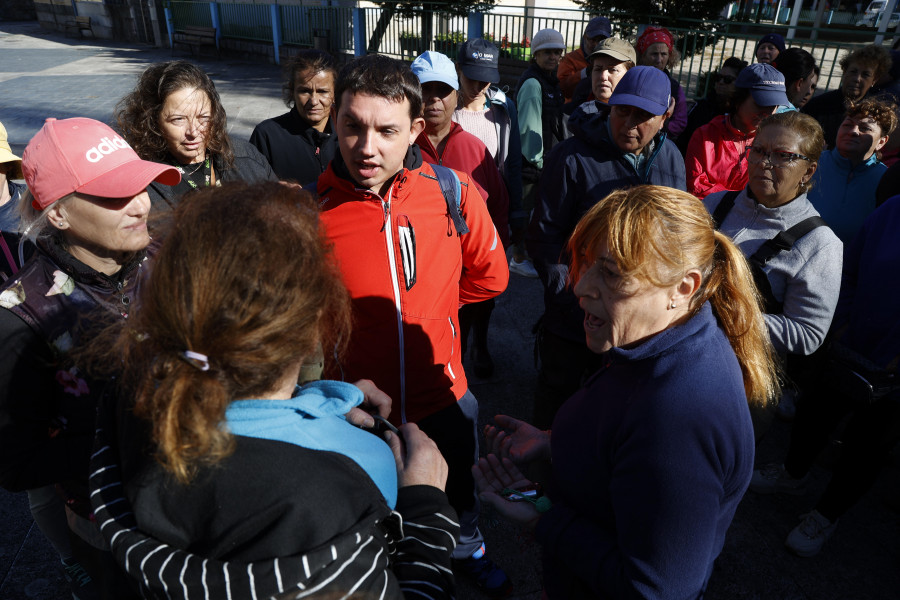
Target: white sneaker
810,535
523,268
773,478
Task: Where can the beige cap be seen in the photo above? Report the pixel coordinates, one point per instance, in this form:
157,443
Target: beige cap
616,48
7,156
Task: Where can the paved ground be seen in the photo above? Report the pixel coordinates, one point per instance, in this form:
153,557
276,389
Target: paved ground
45,75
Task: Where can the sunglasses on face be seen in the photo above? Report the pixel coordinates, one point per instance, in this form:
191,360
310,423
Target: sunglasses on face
726,79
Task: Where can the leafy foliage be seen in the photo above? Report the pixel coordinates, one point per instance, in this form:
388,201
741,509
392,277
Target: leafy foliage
461,8
664,12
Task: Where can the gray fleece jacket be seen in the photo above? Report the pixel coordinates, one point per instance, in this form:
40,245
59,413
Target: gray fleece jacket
807,278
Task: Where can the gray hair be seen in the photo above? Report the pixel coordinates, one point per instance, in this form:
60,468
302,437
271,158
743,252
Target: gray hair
33,223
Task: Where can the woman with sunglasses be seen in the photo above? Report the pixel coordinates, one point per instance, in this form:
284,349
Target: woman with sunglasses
799,284
716,102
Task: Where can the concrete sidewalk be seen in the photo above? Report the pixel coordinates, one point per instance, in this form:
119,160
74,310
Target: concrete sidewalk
45,75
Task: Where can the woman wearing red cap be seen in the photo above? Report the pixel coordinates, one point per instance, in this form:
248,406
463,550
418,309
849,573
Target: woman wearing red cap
86,211
656,48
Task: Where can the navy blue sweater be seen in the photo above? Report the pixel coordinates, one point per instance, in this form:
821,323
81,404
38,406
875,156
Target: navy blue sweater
650,461
867,314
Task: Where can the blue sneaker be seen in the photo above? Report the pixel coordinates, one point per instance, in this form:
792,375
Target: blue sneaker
489,578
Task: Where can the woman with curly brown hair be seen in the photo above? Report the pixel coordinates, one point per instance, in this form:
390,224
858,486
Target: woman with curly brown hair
240,482
849,174
861,69
174,116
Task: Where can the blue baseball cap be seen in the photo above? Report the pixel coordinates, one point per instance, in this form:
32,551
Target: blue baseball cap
434,66
766,84
647,88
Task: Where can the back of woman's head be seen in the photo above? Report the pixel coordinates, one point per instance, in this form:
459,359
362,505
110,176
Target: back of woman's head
795,64
657,234
812,139
732,62
137,114
244,278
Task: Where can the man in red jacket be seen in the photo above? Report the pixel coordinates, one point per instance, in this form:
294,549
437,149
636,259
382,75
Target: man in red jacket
407,270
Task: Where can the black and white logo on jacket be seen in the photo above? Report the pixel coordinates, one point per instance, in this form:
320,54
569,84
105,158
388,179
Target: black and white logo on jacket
407,240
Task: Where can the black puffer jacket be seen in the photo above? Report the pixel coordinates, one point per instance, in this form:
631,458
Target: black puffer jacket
47,406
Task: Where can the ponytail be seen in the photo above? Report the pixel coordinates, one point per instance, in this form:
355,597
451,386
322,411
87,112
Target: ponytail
730,290
185,407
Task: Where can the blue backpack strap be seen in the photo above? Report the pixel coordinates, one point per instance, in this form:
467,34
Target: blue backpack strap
452,191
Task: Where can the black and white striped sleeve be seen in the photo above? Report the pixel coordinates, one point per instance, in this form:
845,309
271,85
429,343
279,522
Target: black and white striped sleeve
421,562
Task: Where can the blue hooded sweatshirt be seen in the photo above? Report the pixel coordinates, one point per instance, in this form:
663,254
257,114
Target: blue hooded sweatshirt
314,419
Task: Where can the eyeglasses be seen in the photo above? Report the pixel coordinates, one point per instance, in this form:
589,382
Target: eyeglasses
776,158
726,79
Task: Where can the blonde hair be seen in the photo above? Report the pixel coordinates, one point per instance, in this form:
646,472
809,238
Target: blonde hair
34,223
656,234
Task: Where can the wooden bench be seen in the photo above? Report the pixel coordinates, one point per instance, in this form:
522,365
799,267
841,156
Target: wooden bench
79,25
196,37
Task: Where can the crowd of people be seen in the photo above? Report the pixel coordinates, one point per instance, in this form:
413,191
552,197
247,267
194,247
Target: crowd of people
235,368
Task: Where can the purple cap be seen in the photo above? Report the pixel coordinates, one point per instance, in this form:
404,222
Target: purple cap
647,88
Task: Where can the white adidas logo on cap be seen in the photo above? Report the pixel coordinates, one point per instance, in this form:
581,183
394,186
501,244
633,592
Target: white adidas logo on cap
106,146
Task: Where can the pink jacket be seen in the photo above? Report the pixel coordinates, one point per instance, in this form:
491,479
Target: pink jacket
713,159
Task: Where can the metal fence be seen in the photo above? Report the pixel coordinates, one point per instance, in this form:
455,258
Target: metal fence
246,21
191,14
704,45
334,23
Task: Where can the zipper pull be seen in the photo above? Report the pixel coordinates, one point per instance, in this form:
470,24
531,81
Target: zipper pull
387,209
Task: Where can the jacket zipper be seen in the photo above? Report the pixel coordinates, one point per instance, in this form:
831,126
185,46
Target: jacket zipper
395,285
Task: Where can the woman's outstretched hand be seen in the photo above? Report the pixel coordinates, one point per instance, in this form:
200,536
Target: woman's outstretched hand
517,440
493,475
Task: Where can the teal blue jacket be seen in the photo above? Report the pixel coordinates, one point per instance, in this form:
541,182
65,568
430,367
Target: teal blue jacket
844,194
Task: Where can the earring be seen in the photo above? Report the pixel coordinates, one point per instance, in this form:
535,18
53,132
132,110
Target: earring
672,305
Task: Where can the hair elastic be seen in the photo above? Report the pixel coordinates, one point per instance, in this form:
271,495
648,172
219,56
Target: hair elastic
196,360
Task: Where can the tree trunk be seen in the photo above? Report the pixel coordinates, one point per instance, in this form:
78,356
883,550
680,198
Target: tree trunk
387,13
427,27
